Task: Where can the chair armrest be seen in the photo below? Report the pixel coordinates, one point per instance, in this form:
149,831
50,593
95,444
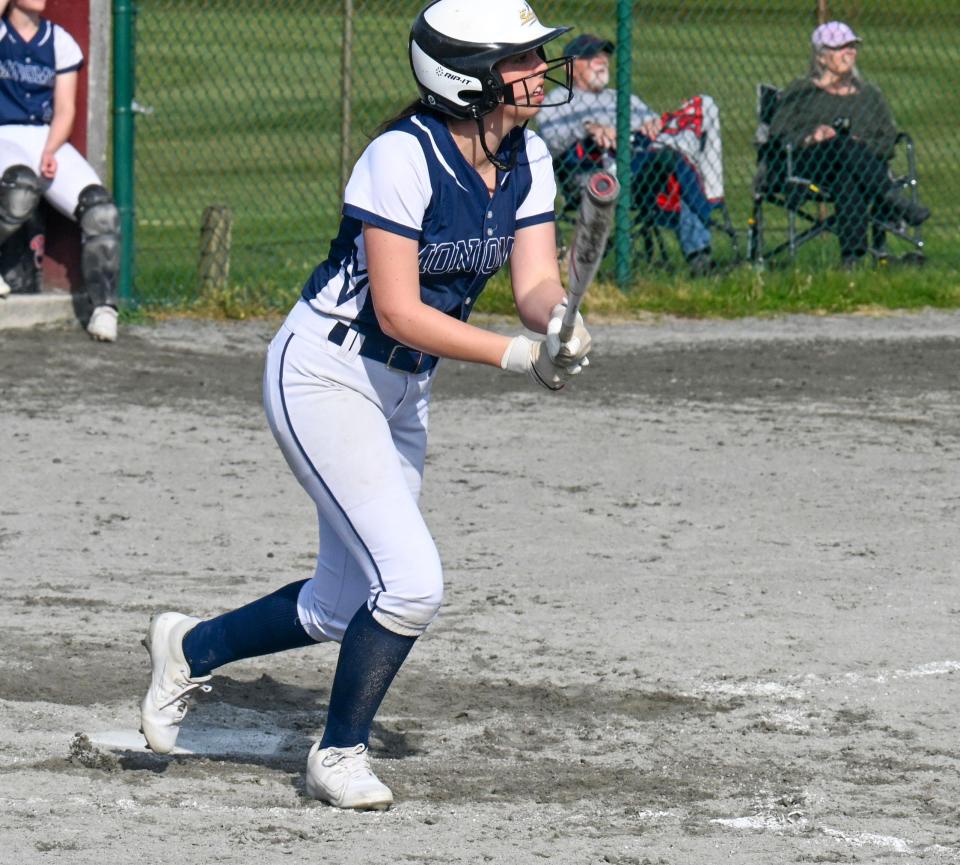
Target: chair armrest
788,149
906,140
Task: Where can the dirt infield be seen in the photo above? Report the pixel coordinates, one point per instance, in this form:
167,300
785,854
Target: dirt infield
702,607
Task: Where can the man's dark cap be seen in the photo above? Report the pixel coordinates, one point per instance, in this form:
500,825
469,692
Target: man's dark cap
588,45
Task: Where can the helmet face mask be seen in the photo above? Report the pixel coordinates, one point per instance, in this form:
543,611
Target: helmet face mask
456,45
561,94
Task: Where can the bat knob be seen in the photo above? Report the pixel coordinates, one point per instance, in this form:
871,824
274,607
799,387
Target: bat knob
603,186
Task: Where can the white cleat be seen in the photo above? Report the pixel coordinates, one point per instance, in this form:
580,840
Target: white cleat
165,705
103,324
343,778
4,287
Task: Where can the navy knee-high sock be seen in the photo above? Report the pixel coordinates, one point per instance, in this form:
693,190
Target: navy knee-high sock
267,625
370,656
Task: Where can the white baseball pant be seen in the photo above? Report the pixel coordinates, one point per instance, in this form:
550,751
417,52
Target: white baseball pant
355,432
23,145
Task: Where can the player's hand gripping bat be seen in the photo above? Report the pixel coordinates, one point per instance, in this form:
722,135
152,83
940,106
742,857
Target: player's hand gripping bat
594,221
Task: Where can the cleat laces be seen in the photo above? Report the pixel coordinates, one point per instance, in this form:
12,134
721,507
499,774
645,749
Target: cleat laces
355,762
182,697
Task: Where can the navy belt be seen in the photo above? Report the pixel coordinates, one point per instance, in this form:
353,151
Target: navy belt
377,346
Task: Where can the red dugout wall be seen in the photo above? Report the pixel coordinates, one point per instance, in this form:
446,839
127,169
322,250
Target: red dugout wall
61,266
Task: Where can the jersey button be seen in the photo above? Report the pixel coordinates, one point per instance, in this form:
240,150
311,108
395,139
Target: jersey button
489,214
467,301
489,231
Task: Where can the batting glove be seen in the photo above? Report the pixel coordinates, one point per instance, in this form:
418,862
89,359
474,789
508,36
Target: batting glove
572,354
525,355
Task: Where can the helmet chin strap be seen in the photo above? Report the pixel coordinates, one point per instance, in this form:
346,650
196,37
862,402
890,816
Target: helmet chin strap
499,163
508,99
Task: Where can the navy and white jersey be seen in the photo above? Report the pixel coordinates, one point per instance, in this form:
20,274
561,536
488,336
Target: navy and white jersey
28,71
412,180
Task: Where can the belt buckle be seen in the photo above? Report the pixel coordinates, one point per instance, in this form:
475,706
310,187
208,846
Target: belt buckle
393,352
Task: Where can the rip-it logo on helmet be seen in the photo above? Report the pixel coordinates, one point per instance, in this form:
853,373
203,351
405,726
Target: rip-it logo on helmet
446,73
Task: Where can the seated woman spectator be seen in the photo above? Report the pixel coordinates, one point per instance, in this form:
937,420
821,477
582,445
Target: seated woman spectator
39,64
843,135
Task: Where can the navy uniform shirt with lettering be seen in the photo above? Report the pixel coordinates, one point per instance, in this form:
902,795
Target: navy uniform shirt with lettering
28,71
413,181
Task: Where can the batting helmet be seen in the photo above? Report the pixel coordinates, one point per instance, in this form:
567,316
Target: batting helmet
455,46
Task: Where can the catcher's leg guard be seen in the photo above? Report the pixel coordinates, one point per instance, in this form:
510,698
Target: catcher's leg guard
19,196
100,244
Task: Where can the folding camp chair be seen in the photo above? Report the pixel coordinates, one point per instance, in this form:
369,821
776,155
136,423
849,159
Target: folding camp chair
663,209
807,203
572,170
658,170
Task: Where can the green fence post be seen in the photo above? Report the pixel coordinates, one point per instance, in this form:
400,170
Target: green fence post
624,172
346,94
123,84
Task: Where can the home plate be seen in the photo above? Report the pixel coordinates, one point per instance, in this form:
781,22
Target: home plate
205,742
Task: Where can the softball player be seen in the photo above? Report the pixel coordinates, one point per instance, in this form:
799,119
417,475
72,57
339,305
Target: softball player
442,197
39,64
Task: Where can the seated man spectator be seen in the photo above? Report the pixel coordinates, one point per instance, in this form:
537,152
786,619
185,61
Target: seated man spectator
582,136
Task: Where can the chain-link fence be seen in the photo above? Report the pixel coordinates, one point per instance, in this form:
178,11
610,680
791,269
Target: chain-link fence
253,112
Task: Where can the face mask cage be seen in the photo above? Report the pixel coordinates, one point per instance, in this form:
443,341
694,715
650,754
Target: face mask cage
561,94
559,73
